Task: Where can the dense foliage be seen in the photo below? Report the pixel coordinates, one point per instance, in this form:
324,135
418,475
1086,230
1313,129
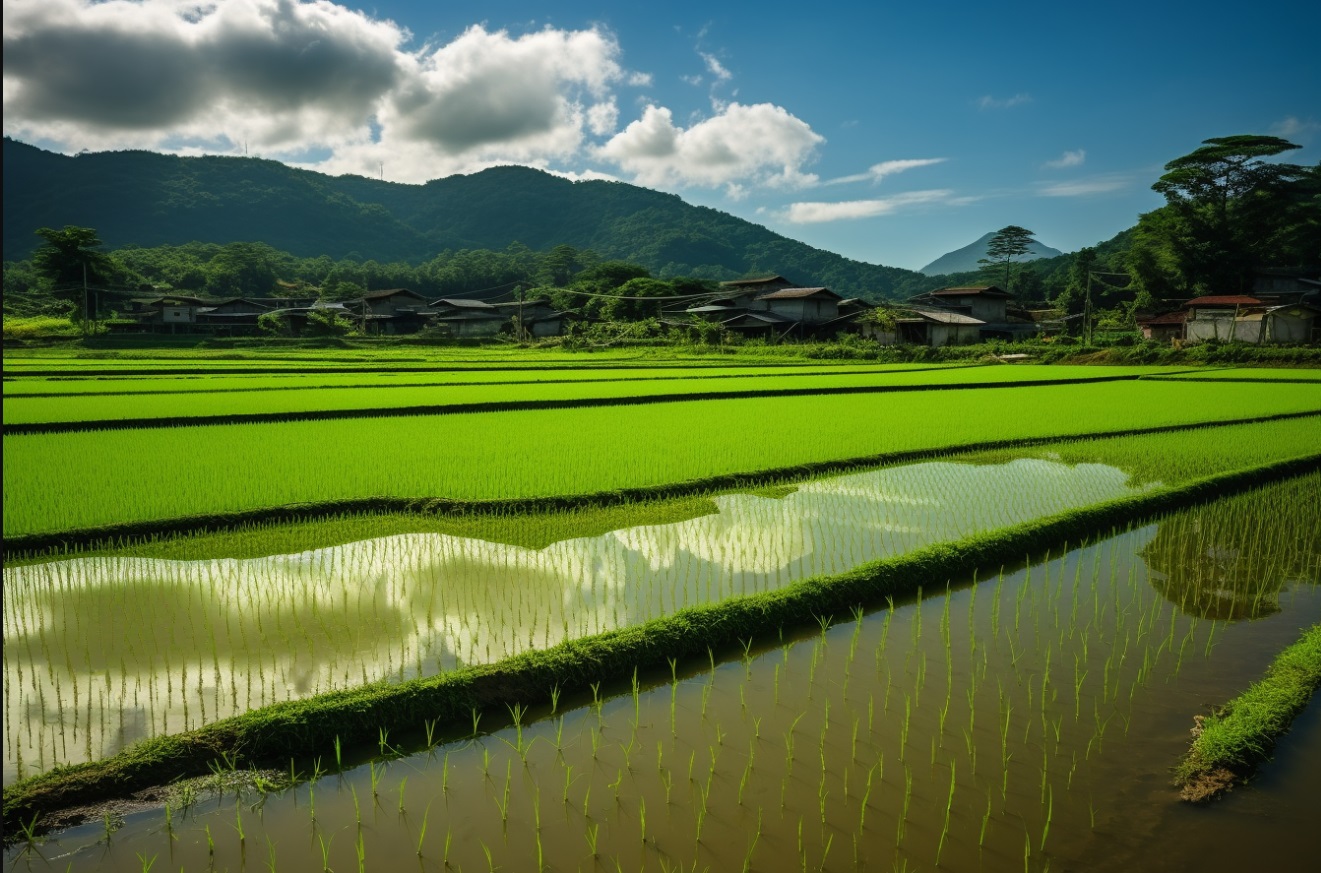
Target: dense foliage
152,200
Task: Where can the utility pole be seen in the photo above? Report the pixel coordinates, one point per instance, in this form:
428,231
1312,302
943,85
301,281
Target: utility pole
87,313
1087,303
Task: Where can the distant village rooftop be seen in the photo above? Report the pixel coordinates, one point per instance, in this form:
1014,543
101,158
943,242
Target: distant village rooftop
764,280
1223,300
971,290
797,293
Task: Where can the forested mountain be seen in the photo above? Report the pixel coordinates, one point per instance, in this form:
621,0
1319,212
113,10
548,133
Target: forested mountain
146,199
966,259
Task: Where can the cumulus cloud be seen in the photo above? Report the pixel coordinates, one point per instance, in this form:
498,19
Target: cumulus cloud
761,143
337,90
989,102
845,210
1073,158
121,73
525,94
877,172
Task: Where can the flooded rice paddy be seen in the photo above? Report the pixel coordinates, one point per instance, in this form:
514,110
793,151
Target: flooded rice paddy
102,652
1026,721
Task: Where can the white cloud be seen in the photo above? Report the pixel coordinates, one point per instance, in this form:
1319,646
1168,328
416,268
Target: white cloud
989,102
1083,188
1073,158
336,90
272,71
846,210
877,172
715,68
1293,127
761,143
289,77
523,95
603,117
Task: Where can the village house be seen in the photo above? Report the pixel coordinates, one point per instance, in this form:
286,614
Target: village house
809,306
772,307
537,318
937,327
237,315
1165,328
985,302
390,311
1223,317
467,318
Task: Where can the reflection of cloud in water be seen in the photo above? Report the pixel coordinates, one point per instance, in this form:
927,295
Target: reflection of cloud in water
153,646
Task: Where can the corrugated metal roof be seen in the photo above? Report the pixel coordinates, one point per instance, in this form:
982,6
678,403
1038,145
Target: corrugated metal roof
463,304
797,293
767,317
1224,300
942,317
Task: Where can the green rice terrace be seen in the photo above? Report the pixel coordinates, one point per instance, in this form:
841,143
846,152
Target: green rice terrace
486,609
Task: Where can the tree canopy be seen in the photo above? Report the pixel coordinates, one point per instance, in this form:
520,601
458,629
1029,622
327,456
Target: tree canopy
1229,212
70,255
1008,244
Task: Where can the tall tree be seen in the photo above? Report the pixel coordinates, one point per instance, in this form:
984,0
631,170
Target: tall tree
70,260
1224,202
1008,244
65,254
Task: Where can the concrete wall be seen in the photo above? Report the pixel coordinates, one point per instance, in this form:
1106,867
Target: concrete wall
1223,328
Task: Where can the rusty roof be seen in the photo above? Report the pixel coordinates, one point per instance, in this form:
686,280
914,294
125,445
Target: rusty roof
1224,300
1168,318
797,293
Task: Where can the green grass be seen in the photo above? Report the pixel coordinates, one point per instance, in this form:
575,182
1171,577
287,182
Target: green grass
1236,738
58,482
19,410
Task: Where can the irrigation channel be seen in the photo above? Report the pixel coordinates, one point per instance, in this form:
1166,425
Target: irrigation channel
1028,719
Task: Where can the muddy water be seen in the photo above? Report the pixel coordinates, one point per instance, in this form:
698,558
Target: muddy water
1028,721
102,652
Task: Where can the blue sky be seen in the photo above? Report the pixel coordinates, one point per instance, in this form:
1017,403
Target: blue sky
888,133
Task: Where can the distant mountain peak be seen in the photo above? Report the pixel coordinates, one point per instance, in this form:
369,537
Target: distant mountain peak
966,259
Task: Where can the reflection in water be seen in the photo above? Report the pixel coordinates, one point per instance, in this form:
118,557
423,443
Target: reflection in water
1230,559
104,651
1027,722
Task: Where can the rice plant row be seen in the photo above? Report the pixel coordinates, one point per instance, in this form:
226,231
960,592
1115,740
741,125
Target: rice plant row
91,408
16,387
63,481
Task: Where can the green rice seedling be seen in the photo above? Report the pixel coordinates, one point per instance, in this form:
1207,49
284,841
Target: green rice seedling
422,832
592,834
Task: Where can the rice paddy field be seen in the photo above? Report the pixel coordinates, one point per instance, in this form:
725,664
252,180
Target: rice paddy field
851,618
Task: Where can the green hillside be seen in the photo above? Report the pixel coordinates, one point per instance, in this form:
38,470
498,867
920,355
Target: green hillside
147,199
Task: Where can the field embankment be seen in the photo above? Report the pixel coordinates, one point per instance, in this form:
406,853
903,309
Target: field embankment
1232,741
